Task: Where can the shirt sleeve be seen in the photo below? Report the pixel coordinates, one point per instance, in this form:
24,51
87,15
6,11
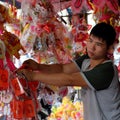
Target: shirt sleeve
101,76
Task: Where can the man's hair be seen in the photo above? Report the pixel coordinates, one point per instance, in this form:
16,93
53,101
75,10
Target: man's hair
105,32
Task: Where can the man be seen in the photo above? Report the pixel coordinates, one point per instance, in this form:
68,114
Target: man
94,72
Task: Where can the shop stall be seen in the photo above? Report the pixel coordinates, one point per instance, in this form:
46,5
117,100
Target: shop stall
48,31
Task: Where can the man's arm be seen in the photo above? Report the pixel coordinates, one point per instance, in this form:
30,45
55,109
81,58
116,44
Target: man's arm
57,79
52,68
54,74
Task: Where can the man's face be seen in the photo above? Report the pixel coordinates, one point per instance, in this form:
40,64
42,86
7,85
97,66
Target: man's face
96,48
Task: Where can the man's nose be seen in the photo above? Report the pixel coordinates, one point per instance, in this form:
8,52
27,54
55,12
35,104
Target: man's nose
92,46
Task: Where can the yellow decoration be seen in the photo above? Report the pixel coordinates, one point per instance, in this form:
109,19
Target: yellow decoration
68,110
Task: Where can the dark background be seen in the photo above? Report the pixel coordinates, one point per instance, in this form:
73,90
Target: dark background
17,4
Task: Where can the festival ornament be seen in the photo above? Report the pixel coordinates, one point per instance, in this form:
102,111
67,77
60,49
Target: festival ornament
68,110
79,34
105,10
113,5
118,49
49,34
79,6
27,38
12,43
119,67
97,5
5,58
8,14
117,28
12,11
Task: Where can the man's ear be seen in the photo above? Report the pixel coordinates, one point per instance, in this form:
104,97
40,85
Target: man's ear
111,49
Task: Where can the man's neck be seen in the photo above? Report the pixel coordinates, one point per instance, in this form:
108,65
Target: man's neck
94,63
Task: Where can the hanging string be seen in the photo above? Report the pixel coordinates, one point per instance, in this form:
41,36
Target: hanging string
13,2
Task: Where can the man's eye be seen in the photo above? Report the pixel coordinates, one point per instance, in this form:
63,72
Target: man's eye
89,40
98,44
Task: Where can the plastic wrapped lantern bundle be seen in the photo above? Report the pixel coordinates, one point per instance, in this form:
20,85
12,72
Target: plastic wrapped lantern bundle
44,34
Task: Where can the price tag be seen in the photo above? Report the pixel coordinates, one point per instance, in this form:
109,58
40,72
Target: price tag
4,79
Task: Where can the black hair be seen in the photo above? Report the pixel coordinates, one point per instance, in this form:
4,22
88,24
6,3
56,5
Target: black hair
104,31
